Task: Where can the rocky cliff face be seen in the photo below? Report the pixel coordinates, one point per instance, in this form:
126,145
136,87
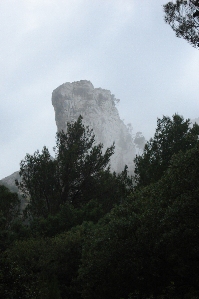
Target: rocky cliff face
97,107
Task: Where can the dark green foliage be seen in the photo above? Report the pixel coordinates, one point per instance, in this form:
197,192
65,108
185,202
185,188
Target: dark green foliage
73,177
171,136
80,163
9,207
148,246
111,189
9,216
44,267
13,188
105,239
74,187
38,184
183,17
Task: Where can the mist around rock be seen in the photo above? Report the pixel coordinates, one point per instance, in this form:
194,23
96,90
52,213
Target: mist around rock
98,107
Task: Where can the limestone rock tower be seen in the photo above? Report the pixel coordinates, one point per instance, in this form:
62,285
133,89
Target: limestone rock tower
97,107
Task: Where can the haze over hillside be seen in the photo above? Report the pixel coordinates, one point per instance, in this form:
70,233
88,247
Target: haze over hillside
123,46
98,108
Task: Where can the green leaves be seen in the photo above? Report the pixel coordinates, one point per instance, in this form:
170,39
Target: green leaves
92,235
41,267
182,16
148,245
39,184
69,178
9,207
171,136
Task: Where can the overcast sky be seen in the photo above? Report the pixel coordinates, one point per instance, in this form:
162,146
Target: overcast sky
121,45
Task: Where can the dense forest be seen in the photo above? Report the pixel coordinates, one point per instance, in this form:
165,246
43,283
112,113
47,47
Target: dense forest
89,233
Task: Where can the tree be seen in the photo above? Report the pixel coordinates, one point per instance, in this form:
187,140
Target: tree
38,183
148,246
72,177
44,267
183,17
171,136
9,207
110,190
80,163
9,216
180,224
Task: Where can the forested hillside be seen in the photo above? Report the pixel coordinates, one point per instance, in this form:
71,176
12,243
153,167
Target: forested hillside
89,233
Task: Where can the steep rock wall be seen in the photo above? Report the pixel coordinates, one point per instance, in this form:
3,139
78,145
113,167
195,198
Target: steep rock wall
97,107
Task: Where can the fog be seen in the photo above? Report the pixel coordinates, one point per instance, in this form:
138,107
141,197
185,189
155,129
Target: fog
123,46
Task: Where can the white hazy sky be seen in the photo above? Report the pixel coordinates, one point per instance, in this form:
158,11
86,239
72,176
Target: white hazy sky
121,45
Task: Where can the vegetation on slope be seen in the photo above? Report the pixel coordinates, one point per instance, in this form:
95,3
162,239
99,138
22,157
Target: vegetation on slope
89,233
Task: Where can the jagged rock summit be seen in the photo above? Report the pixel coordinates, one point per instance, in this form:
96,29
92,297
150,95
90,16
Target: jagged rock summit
97,106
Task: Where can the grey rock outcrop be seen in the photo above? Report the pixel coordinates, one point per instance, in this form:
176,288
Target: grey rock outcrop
97,107
9,181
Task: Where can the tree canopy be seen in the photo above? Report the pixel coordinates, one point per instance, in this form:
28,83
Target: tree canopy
147,247
105,239
171,136
183,17
9,207
79,173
